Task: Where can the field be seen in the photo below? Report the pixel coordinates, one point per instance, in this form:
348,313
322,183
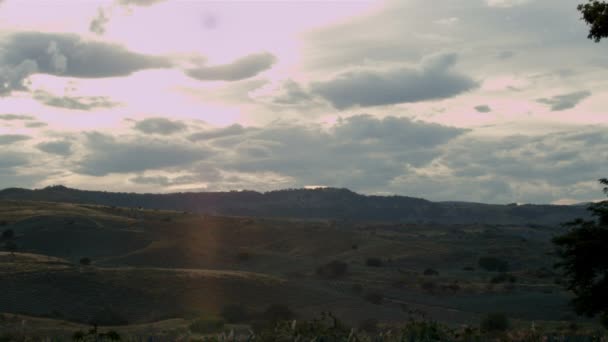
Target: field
158,270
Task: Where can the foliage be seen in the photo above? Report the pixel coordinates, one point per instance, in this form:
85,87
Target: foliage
8,234
333,269
584,261
85,261
206,325
374,262
278,312
503,278
595,14
493,264
235,313
495,322
430,272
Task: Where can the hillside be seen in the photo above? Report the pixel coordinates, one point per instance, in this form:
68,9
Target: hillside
150,265
325,203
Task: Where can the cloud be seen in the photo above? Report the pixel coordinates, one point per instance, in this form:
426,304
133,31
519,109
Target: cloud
291,93
8,139
241,68
565,101
483,108
108,155
162,126
10,159
231,130
75,103
361,151
98,23
142,3
505,3
36,124
432,80
61,148
17,117
61,54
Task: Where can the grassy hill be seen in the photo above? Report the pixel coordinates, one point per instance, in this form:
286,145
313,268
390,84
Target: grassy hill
150,265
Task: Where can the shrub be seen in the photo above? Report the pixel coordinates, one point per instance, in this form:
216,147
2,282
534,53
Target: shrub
374,298
429,286
495,322
206,325
430,272
85,261
374,262
243,256
278,312
369,325
108,316
493,264
235,313
333,269
8,234
503,278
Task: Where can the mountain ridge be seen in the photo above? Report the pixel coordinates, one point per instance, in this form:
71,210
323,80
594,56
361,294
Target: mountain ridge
319,203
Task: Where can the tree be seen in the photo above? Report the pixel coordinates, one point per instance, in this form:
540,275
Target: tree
11,247
595,14
8,234
85,261
584,261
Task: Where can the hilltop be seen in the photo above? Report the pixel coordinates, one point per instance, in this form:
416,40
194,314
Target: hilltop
321,203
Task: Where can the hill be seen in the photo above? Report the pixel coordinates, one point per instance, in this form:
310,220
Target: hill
322,203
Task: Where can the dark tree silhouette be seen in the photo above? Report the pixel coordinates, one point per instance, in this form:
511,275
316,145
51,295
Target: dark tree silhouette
595,14
584,261
8,234
85,261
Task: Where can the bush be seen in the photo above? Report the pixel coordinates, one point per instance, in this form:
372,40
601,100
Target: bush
85,261
278,312
493,264
503,278
429,286
374,262
369,326
243,256
108,317
495,322
206,325
374,298
8,234
430,272
235,313
333,269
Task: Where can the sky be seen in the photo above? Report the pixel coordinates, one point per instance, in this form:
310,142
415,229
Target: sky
495,101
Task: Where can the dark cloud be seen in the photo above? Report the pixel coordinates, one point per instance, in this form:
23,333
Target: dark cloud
565,101
10,159
242,68
483,108
98,23
231,130
36,124
433,80
61,148
16,117
8,139
361,151
107,155
162,126
291,93
26,53
75,103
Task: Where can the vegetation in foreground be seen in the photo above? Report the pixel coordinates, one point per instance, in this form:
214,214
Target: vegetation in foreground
494,327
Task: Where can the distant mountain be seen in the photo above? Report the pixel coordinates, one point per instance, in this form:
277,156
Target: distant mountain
321,203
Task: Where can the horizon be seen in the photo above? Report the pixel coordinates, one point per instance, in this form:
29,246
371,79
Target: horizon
54,186
466,101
